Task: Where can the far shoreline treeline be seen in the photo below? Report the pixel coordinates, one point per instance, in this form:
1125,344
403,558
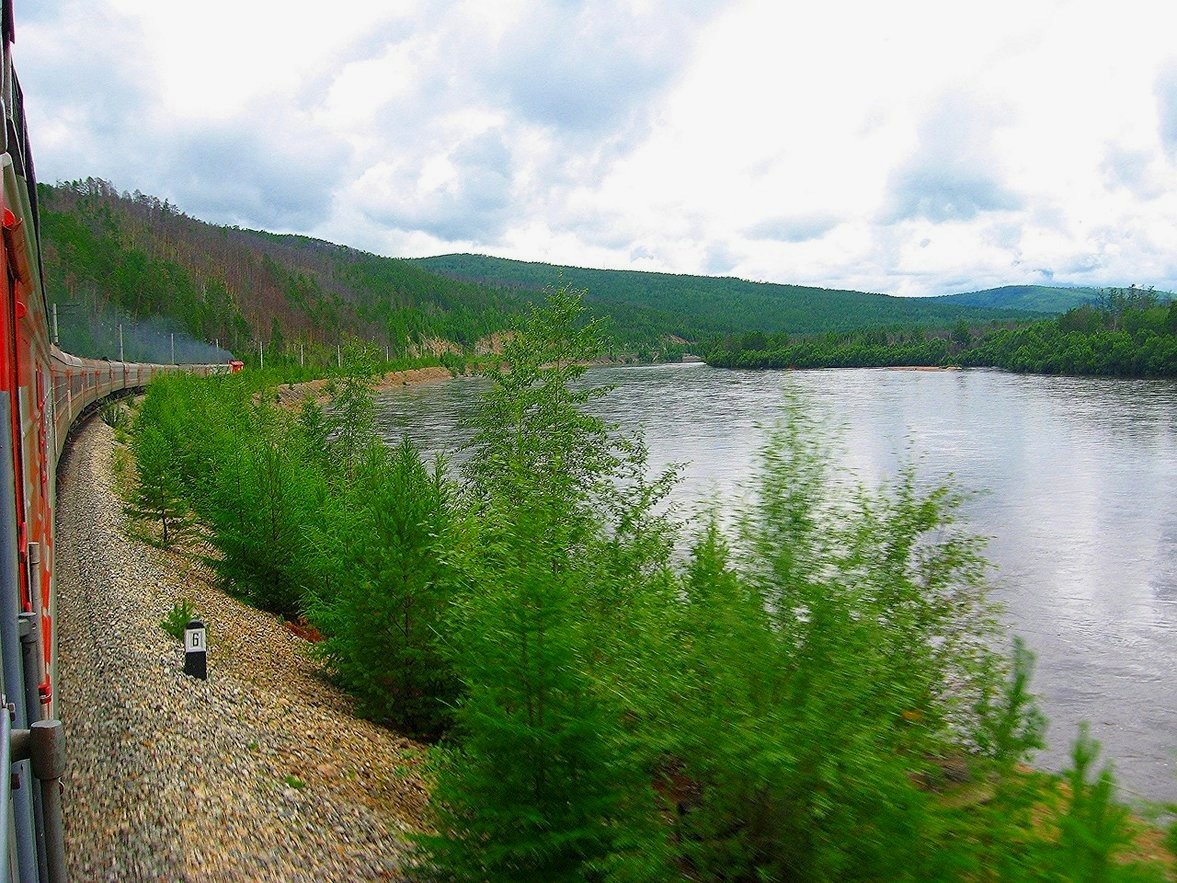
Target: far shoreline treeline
1125,333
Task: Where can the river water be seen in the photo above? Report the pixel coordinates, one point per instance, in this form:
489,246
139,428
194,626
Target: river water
1077,491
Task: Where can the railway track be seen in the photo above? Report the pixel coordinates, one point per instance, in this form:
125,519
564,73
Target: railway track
43,393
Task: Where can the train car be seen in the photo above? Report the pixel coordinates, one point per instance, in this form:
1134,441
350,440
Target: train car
43,391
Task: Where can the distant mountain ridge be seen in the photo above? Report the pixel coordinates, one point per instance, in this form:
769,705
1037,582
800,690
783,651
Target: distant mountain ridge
690,306
115,259
1032,298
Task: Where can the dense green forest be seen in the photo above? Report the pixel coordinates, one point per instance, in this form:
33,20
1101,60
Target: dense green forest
1031,298
1126,333
118,258
131,259
692,307
812,694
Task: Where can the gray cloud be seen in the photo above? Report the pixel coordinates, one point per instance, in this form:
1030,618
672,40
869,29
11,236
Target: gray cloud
946,194
502,127
603,229
590,67
268,166
1166,94
474,206
278,176
800,228
950,177
575,82
100,86
1080,265
35,13
720,260
1007,236
1132,170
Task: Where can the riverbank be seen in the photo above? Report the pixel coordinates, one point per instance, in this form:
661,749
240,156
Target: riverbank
293,394
261,772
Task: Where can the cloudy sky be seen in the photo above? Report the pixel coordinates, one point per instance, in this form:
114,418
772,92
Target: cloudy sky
907,147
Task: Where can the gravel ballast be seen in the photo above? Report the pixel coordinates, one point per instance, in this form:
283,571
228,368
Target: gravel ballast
261,772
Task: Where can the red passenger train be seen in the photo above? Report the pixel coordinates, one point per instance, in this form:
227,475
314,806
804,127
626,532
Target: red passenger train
42,393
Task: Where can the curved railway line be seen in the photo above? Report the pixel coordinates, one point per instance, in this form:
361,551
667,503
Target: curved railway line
43,392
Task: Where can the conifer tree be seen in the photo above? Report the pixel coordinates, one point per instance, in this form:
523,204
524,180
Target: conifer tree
159,495
839,646
547,782
266,493
352,411
380,620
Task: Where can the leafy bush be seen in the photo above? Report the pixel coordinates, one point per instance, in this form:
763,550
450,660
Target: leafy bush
113,414
175,622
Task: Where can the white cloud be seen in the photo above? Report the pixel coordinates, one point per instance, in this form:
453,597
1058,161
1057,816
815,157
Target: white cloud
910,148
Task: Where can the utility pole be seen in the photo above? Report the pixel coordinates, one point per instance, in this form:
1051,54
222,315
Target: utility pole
261,354
338,356
173,349
56,339
120,338
301,362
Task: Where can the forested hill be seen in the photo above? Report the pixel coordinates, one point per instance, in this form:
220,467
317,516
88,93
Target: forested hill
696,306
1032,298
114,258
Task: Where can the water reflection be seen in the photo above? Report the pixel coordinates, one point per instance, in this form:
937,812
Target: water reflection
1080,504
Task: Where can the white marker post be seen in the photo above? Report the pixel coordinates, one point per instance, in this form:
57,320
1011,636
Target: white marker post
195,650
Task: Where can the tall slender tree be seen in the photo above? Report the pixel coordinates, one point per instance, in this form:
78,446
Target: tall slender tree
547,782
159,495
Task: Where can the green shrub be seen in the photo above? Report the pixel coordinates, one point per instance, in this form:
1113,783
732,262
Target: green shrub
546,782
113,414
160,494
1094,826
816,672
267,494
381,620
175,622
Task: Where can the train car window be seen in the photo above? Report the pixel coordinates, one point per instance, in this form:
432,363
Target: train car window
14,150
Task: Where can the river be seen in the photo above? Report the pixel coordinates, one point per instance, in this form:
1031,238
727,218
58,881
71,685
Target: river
1077,491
